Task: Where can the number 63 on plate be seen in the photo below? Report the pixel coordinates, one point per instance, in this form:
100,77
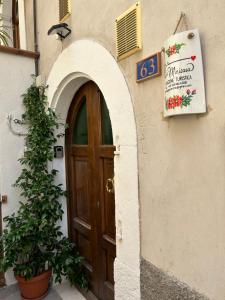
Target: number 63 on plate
149,67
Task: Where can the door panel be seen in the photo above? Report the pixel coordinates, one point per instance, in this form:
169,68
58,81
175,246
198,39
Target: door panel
107,223
90,173
108,213
82,190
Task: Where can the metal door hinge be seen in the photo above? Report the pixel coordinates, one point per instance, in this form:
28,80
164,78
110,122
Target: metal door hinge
117,151
4,199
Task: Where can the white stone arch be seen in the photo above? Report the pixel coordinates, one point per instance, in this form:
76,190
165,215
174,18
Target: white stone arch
87,60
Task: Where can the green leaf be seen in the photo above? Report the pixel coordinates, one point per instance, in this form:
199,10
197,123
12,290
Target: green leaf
32,238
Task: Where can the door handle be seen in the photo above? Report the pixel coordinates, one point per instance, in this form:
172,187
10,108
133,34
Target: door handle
110,185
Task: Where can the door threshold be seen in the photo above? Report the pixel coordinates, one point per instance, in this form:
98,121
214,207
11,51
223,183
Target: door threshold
88,295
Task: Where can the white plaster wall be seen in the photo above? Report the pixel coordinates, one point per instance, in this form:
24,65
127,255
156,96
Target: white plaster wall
15,78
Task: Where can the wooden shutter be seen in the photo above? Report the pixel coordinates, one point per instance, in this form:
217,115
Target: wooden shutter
128,31
64,9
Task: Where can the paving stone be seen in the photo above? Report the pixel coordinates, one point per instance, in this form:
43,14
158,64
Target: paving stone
12,293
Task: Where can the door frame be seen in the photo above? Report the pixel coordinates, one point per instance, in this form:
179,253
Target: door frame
86,60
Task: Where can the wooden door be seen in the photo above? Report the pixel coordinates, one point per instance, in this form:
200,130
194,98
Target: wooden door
90,172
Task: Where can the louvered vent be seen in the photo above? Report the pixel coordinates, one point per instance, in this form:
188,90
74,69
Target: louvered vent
64,9
128,31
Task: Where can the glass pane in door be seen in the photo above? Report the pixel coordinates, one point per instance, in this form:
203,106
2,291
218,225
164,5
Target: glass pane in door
80,131
107,136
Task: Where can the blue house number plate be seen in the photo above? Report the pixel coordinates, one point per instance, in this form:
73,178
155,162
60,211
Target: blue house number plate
149,67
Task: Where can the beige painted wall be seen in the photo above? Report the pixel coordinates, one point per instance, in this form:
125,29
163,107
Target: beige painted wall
15,78
29,24
182,159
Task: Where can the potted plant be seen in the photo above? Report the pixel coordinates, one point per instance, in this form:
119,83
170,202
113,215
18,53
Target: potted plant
32,242
4,36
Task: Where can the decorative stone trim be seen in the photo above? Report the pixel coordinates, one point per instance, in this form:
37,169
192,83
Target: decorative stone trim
157,285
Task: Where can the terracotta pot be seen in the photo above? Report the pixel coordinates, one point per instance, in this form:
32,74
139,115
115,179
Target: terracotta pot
35,288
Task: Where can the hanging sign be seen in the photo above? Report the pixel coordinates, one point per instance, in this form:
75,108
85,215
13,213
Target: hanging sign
149,67
184,79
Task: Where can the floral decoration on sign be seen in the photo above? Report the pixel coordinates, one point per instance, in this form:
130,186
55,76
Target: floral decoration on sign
174,49
180,101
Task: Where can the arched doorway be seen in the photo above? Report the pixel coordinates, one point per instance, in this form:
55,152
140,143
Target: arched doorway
80,62
90,173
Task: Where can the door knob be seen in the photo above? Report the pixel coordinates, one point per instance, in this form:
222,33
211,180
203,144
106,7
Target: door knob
110,185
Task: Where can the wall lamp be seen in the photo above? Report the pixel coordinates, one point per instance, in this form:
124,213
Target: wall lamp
62,30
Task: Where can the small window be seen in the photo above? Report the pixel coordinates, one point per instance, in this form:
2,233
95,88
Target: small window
64,10
107,137
80,131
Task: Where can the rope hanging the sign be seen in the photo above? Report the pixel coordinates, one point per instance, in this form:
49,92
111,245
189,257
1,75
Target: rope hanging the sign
182,16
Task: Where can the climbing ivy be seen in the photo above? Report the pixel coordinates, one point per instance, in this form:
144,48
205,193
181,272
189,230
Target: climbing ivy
32,240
